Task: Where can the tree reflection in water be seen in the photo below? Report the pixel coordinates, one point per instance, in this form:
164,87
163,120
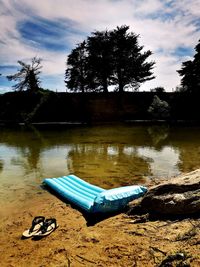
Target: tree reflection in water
159,134
1,165
107,165
29,159
29,145
108,156
104,155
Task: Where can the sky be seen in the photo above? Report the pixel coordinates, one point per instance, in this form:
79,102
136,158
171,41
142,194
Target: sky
50,29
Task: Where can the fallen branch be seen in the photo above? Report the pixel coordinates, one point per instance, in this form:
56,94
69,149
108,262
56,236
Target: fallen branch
83,258
159,250
191,233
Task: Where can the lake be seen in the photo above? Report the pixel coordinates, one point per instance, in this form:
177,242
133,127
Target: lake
106,155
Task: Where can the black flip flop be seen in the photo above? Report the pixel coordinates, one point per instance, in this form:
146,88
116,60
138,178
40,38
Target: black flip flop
37,223
47,228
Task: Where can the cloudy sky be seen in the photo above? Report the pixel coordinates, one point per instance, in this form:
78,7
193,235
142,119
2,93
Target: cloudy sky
50,29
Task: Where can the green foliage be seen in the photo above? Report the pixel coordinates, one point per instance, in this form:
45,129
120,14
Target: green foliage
100,60
28,76
108,58
159,109
190,73
76,72
130,66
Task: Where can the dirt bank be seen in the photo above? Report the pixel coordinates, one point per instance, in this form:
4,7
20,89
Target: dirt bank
115,241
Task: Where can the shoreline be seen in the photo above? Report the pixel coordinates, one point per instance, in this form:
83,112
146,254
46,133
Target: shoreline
115,241
51,124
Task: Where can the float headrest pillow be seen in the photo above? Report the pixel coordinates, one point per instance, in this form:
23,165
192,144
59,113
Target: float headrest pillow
117,198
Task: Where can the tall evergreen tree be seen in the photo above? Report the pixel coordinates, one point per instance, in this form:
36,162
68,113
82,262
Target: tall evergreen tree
28,76
190,73
76,75
108,58
100,59
130,66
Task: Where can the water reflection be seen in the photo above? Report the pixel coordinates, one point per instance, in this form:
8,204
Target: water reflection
163,163
107,165
29,159
158,134
187,141
1,165
108,156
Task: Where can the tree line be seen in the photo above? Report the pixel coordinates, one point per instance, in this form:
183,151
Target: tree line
108,58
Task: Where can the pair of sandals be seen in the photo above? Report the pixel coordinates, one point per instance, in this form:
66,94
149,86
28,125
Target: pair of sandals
40,227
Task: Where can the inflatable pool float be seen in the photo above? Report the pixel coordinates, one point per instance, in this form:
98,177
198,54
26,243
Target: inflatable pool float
92,198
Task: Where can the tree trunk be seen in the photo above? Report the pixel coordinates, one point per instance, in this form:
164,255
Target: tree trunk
82,88
121,86
105,86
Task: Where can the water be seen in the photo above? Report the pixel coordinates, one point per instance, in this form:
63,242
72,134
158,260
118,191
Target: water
108,156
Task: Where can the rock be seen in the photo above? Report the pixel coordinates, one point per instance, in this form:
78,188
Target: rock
180,195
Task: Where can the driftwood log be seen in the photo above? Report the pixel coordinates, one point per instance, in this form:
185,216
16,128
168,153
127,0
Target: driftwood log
178,196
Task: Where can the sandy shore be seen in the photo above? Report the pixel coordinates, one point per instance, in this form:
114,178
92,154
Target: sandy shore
115,241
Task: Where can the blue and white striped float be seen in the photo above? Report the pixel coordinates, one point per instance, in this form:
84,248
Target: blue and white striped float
92,198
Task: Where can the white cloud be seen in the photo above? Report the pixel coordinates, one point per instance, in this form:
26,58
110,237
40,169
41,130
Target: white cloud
189,7
165,72
163,27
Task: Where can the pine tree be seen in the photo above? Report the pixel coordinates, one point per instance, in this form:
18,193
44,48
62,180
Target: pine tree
100,59
190,73
130,66
108,58
76,75
28,76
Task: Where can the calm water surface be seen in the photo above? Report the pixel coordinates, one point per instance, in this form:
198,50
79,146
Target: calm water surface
108,156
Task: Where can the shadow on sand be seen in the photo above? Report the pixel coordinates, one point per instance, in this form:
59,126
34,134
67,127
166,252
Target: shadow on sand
91,218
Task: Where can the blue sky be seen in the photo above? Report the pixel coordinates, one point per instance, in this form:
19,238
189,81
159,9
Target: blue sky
49,29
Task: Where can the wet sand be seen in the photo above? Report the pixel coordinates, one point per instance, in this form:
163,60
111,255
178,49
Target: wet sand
115,241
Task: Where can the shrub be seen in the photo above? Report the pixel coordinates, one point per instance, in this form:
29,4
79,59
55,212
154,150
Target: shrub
159,109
